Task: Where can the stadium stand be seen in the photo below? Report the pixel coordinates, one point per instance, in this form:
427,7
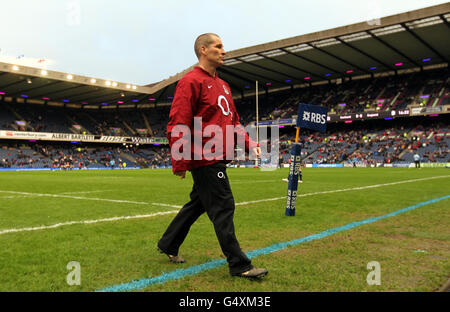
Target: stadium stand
375,143
425,89
396,71
368,145
37,118
16,154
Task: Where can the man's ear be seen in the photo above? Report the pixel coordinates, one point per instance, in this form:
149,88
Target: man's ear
203,49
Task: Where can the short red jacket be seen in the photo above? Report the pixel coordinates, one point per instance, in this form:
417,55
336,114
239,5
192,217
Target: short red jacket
198,94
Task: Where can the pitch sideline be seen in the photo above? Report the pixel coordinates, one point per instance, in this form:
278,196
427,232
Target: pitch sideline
45,227
143,283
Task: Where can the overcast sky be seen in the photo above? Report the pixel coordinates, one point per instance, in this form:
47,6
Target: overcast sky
145,41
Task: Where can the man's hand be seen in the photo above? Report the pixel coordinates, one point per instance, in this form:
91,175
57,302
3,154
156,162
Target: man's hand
257,151
181,174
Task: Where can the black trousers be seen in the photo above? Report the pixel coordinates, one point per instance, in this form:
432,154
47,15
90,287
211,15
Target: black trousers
212,194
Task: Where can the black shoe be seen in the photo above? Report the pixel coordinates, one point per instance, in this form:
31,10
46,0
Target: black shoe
172,258
253,273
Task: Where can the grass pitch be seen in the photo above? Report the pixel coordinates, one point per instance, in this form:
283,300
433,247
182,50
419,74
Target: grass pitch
41,230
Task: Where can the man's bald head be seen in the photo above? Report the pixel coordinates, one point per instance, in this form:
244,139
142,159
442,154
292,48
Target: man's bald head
203,40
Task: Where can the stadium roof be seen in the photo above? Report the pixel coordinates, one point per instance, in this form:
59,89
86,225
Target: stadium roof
414,39
41,86
409,40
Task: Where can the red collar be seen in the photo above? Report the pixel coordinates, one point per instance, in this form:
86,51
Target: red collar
204,71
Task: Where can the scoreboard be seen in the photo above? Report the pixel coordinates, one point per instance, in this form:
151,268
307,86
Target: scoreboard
369,115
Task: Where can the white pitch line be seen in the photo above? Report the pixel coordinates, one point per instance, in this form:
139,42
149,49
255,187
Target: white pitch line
237,204
259,201
166,205
88,198
256,181
87,192
343,190
45,227
375,185
37,195
14,197
91,198
76,197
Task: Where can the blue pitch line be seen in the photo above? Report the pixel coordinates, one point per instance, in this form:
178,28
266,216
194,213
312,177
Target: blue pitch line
193,270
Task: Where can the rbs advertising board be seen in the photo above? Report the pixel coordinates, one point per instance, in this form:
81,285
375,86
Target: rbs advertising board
312,117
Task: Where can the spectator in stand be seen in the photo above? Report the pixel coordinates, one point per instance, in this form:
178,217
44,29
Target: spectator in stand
417,160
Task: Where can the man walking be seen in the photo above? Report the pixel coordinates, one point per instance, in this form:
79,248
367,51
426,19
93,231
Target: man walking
203,100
